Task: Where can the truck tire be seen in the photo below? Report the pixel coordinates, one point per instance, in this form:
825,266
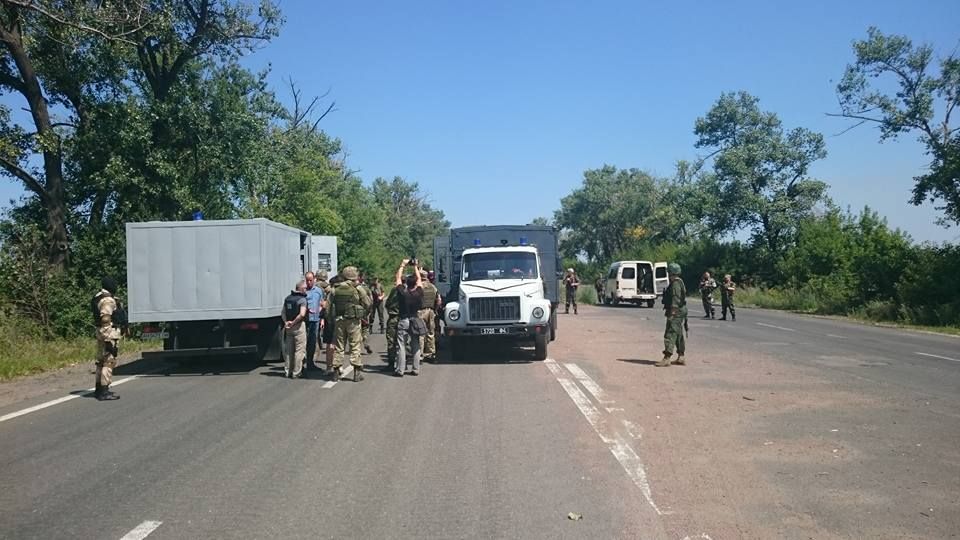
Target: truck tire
456,349
553,325
540,346
650,303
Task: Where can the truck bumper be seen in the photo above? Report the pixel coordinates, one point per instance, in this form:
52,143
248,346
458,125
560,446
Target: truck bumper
202,352
515,331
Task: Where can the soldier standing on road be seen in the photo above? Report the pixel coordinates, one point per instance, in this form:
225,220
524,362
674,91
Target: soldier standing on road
108,337
346,311
314,307
707,286
379,311
726,298
367,319
428,314
598,285
571,282
675,309
393,318
294,330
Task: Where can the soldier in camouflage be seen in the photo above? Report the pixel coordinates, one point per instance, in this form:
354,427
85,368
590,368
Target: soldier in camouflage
428,314
675,309
727,288
707,286
347,308
367,319
393,320
108,338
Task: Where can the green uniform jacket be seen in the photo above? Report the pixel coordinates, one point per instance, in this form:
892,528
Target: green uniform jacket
430,294
675,299
347,302
393,302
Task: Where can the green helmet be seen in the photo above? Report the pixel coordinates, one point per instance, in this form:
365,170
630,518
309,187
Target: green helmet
674,269
350,273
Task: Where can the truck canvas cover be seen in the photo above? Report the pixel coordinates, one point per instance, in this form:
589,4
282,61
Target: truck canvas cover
211,270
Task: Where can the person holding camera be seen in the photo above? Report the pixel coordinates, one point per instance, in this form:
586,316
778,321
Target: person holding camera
410,326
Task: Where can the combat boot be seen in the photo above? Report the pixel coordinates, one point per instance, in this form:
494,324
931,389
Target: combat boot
665,362
367,348
335,374
680,361
357,373
106,394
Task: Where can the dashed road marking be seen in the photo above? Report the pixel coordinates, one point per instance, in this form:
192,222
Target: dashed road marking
776,327
142,530
64,399
836,336
615,442
937,356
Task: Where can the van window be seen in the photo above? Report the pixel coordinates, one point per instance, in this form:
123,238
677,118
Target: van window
613,273
661,272
629,272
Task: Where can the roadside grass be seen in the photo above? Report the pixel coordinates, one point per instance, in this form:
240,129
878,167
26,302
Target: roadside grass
24,350
804,301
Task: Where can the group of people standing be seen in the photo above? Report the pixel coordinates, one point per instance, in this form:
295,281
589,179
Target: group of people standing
727,289
341,311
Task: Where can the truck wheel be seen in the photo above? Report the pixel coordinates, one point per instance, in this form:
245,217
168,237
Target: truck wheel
456,349
650,303
553,325
540,347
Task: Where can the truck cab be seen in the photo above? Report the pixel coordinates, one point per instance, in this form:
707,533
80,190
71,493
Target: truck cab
503,286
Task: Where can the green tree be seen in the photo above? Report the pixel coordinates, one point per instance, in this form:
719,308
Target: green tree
761,177
411,222
895,85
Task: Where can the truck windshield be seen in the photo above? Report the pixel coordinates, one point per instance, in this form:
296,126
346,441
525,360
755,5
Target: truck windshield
500,265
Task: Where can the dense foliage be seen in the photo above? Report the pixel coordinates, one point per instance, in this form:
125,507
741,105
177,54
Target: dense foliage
142,111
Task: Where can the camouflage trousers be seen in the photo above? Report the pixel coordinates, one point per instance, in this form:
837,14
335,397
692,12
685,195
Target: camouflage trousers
106,361
673,337
428,342
392,322
348,335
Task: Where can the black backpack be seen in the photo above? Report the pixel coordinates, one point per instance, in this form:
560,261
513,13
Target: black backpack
291,306
119,317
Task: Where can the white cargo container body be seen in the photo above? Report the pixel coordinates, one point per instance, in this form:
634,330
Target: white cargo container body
217,286
204,270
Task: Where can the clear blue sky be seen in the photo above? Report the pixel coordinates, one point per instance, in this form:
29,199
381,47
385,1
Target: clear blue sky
496,108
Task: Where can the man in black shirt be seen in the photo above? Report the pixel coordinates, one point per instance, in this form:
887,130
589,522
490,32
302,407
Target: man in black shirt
411,299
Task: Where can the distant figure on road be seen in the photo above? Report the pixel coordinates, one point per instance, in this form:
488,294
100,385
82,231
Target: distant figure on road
675,309
347,309
393,320
379,311
571,282
294,331
411,300
726,298
105,310
314,307
707,286
367,319
598,285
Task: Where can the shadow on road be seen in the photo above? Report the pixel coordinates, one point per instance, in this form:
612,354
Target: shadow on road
227,365
640,361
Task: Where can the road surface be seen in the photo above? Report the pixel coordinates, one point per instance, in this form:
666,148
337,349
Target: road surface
781,426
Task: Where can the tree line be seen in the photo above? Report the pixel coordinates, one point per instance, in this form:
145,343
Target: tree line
135,111
748,206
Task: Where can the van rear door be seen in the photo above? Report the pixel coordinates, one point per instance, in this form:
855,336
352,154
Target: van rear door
660,278
628,280
645,282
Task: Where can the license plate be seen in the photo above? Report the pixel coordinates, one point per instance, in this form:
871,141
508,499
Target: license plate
489,331
155,335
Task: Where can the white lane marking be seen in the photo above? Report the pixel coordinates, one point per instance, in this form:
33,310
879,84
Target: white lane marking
620,449
64,399
634,430
777,327
589,383
701,536
937,356
142,530
343,375
836,336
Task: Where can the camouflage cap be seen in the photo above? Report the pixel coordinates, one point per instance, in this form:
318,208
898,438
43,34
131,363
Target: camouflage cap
350,273
674,269
322,275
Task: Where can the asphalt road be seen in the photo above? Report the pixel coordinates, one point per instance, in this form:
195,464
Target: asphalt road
781,426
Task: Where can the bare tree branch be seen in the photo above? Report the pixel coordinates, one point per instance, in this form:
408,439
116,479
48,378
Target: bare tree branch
32,183
122,36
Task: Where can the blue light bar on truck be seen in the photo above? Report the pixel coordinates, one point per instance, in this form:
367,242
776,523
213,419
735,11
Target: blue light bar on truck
476,242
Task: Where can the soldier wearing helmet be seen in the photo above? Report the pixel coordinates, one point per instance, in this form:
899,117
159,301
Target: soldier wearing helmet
675,310
347,308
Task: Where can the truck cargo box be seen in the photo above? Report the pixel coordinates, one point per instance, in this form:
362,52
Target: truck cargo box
212,270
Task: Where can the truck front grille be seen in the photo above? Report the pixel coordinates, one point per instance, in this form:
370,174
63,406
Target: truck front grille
495,309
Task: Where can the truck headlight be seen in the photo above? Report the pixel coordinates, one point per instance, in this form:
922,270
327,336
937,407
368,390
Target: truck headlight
454,314
538,313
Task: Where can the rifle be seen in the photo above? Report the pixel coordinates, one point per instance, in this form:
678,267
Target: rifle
686,326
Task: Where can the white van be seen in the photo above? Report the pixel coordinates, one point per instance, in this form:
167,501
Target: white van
635,282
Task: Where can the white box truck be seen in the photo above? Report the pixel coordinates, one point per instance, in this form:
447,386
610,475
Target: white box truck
214,287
